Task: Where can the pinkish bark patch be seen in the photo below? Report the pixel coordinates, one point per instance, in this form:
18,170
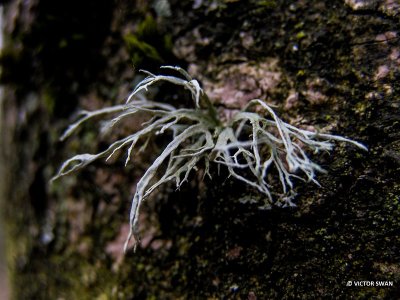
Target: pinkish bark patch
315,92
388,7
236,85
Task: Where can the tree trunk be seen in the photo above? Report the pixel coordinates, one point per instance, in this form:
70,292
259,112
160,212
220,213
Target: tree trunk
331,66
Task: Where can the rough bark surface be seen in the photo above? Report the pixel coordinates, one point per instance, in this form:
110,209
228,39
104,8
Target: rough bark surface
330,65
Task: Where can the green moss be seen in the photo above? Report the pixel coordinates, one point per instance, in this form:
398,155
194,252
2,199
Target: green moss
301,73
140,48
148,27
300,35
148,44
48,100
168,44
266,3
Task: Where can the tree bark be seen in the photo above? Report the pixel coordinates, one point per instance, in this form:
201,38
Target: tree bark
331,66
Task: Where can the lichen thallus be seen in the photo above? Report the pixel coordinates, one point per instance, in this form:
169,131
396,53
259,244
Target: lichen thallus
249,145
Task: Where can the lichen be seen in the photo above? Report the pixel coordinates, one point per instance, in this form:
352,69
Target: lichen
248,144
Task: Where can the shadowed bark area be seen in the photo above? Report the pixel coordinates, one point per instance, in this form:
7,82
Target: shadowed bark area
331,66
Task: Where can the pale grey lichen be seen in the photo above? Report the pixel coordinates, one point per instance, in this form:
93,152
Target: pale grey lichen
250,144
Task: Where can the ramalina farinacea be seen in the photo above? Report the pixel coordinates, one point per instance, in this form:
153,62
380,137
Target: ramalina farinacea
249,145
